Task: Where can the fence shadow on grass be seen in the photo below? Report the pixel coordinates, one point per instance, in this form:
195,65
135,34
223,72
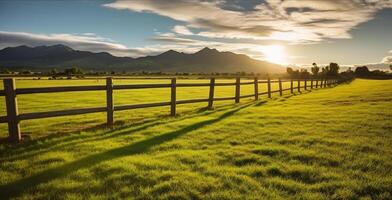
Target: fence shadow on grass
58,142
16,188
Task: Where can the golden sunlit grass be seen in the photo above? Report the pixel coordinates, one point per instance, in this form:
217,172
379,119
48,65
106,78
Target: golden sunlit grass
327,144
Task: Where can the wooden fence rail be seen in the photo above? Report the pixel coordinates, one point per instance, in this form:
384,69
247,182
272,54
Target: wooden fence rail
13,117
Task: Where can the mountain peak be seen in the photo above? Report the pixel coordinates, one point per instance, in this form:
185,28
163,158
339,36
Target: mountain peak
208,50
169,53
56,47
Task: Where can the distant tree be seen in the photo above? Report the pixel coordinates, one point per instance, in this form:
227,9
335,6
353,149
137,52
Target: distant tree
5,71
54,72
333,69
26,72
304,73
315,69
362,71
72,71
289,70
390,67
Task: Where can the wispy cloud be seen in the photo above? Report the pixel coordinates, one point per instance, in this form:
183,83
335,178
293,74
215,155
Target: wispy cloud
294,21
183,30
387,59
86,42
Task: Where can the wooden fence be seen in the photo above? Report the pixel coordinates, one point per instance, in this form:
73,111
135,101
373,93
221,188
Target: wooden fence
13,117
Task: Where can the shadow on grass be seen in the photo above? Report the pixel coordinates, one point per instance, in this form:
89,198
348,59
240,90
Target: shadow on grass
16,188
57,142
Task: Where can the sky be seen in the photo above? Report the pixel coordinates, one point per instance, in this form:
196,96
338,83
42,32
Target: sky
286,32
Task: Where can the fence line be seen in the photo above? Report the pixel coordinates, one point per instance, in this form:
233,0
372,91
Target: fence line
13,117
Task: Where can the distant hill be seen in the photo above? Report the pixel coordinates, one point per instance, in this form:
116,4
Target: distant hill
61,56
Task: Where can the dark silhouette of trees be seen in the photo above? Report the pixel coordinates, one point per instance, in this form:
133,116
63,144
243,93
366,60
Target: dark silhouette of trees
54,72
26,72
72,71
333,69
5,71
289,70
301,73
315,69
362,71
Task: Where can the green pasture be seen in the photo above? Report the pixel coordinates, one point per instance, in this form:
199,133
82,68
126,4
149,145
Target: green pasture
332,143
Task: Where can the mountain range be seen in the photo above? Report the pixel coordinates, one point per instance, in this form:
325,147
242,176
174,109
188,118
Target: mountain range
59,56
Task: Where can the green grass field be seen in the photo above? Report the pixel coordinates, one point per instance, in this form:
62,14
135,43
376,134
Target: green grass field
332,143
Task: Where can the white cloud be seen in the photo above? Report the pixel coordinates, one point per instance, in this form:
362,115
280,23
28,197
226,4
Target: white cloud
183,30
387,60
294,21
86,42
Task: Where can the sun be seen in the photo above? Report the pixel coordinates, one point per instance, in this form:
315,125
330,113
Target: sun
275,54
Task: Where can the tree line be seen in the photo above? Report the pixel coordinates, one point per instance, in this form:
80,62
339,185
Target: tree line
332,70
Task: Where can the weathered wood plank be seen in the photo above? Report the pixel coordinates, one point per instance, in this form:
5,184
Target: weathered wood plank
247,96
237,89
192,84
109,102
246,83
191,101
224,84
3,119
280,88
12,110
256,88
173,97
211,93
269,87
60,89
38,115
224,98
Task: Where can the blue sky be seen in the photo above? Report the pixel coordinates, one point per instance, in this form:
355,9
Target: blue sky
287,32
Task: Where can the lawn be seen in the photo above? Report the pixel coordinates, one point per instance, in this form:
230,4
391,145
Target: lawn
332,143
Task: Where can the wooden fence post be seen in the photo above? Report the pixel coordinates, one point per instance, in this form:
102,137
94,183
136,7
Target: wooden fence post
256,87
269,87
173,97
311,83
280,87
237,90
211,96
109,102
305,84
12,110
325,82
321,83
299,85
291,86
